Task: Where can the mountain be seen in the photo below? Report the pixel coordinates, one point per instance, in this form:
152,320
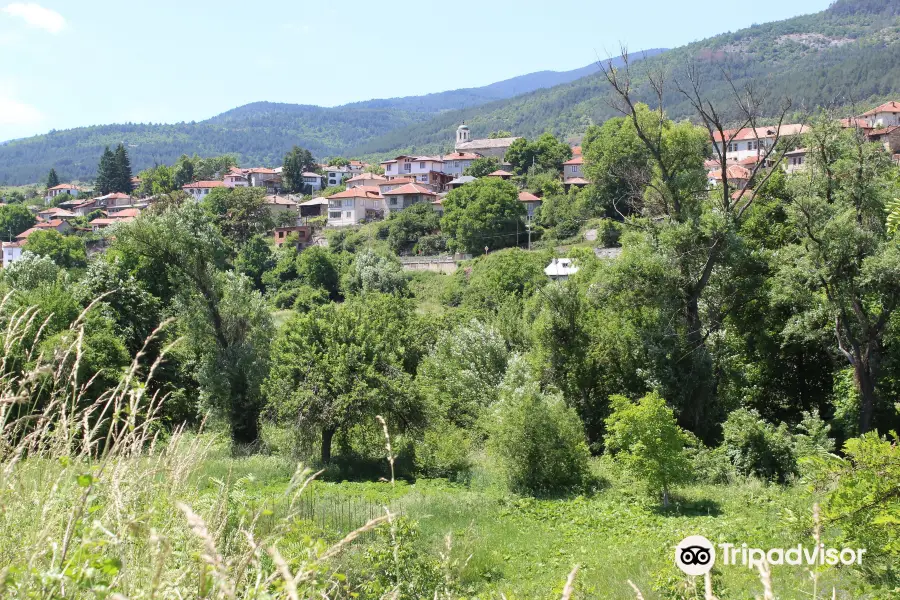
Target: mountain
260,133
846,55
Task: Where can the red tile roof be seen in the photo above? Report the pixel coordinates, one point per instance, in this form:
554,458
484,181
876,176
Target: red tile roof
733,172
748,133
24,235
360,191
892,107
578,160
576,151
396,181
528,197
410,188
50,224
63,186
204,185
500,173
462,156
262,171
882,131
860,123
122,214
367,176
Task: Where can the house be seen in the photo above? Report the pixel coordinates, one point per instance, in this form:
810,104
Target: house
738,176
368,179
59,190
560,269
460,181
795,160
573,172
303,233
236,178
313,208
200,189
104,222
889,137
117,202
55,213
337,175
422,169
405,196
314,181
457,162
281,204
886,115
87,207
24,235
353,206
56,224
501,174
531,203
753,142
392,184
438,206
12,251
262,177
357,166
485,147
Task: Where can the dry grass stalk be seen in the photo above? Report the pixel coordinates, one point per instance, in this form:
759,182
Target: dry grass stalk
569,588
387,437
637,592
765,576
707,587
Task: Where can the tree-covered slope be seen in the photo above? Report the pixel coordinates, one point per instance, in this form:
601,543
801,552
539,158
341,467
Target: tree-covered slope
847,54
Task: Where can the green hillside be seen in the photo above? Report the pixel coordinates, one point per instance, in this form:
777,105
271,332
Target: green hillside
848,54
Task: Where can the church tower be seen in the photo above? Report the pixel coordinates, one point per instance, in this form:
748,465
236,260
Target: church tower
462,135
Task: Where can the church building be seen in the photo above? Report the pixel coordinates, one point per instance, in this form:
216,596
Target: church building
485,147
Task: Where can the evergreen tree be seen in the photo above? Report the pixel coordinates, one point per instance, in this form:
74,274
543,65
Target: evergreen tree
122,170
52,179
106,173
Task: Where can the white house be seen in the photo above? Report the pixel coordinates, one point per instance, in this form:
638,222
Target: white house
560,269
530,201
12,251
417,168
795,160
236,179
313,180
354,205
59,190
199,189
369,179
457,162
263,177
393,184
886,115
749,142
337,175
573,172
405,196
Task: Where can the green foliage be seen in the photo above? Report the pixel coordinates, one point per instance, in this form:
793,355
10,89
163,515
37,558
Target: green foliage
372,272
240,213
254,259
296,162
756,447
14,219
65,250
52,179
537,441
483,214
444,450
546,152
339,161
31,271
122,171
157,180
647,441
482,166
407,227
496,278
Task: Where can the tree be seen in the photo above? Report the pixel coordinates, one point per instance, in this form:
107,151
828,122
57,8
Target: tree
342,364
296,162
52,179
157,181
406,227
495,135
483,214
65,250
482,166
376,169
255,258
31,271
338,162
240,213
374,273
14,219
183,171
645,438
106,173
122,171
546,151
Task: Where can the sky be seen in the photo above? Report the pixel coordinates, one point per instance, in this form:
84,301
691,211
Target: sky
68,63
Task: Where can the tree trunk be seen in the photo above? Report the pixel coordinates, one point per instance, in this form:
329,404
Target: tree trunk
327,436
865,382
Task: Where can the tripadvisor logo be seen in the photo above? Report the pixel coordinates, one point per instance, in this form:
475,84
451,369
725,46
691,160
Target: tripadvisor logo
696,555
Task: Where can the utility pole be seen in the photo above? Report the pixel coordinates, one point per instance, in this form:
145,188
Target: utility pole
528,226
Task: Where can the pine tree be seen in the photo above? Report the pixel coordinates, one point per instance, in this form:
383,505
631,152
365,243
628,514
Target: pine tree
122,177
52,179
106,173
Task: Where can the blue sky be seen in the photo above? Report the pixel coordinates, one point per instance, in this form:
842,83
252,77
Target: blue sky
67,63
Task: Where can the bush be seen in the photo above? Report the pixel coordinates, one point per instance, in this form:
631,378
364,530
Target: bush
374,273
444,451
758,448
537,440
712,465
31,271
647,441
608,233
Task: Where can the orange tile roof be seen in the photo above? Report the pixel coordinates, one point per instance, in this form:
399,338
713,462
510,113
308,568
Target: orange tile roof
410,188
396,181
63,186
576,151
50,224
886,107
367,176
528,197
578,160
360,191
748,133
262,171
204,185
128,212
462,156
24,235
500,173
733,172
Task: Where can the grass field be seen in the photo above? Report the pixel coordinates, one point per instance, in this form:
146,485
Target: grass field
524,547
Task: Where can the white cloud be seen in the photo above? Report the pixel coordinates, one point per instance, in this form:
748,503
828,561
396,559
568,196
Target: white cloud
13,112
37,16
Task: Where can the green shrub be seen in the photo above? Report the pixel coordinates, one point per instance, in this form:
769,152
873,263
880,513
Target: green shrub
757,447
307,298
646,440
608,233
444,451
711,465
537,440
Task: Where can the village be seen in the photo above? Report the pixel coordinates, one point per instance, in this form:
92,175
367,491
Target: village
369,195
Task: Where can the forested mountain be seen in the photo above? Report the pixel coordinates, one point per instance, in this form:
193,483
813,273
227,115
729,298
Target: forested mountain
849,53
845,55
260,133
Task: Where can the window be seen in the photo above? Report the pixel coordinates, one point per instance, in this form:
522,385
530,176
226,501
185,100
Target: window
387,169
574,168
280,234
348,203
348,214
421,165
407,167
393,201
455,163
334,215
